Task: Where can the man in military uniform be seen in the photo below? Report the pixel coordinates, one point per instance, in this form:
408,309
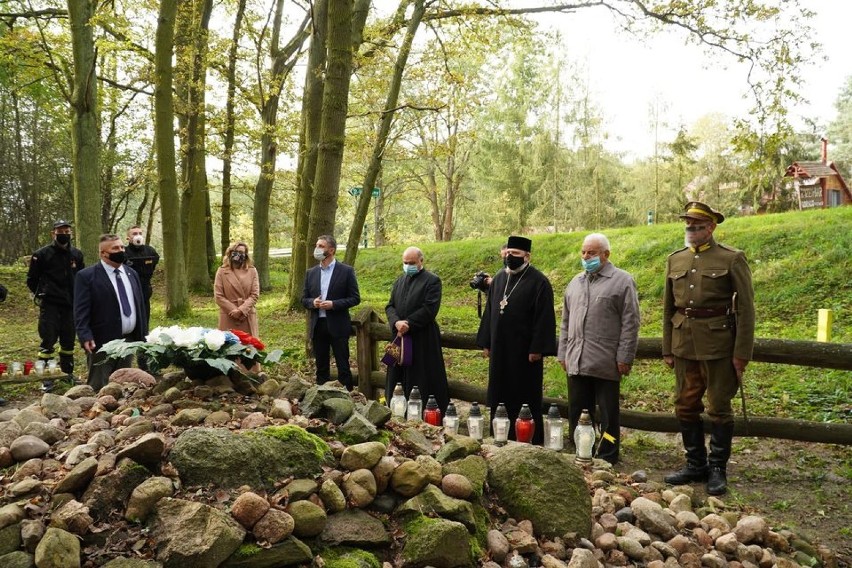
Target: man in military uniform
51,280
708,336
142,258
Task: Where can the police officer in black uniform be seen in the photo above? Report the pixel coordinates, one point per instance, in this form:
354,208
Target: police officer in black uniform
143,259
51,280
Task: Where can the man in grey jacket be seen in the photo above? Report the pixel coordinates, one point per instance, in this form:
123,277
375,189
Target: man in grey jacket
597,342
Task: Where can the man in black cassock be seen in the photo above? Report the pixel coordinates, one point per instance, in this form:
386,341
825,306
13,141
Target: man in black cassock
414,303
517,330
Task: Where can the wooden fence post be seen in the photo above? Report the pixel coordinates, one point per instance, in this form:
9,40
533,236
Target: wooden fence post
365,349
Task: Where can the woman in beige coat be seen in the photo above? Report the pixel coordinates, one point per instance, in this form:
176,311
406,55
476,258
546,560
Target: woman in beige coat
236,290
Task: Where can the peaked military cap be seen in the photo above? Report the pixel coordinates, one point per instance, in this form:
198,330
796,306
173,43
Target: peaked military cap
702,212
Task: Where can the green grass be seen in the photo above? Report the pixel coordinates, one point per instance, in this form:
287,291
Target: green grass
800,263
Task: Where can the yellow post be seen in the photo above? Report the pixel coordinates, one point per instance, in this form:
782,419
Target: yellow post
824,322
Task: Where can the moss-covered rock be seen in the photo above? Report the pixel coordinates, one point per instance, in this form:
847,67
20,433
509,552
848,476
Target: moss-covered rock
457,448
433,501
474,468
343,557
543,486
289,552
205,455
354,527
436,542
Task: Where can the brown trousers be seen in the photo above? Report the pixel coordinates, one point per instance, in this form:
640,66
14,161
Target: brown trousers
716,377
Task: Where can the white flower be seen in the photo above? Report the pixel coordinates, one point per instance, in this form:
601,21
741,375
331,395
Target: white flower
154,336
188,337
214,339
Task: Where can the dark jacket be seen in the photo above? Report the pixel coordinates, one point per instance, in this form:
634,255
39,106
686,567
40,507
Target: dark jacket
52,271
343,293
97,314
143,259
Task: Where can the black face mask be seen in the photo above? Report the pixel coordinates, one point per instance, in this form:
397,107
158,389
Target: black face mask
63,239
119,257
514,262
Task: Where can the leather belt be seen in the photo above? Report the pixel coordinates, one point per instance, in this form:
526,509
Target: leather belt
703,312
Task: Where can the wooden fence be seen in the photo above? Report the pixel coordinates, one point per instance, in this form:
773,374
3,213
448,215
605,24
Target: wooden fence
370,333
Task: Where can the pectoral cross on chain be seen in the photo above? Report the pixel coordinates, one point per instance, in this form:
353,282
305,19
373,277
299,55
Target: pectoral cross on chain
503,303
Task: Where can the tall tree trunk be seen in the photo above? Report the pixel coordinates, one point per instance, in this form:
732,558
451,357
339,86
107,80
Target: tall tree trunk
196,192
335,103
225,233
85,135
177,297
283,61
308,145
375,165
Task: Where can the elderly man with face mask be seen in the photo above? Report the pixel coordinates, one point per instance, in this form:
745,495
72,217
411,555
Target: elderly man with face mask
412,310
708,284
597,344
517,330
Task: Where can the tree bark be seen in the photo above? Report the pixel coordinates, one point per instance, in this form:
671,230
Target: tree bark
335,103
177,297
309,143
225,233
283,60
85,134
375,164
195,203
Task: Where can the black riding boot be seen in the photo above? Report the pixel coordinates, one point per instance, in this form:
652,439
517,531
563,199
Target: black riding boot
696,455
721,436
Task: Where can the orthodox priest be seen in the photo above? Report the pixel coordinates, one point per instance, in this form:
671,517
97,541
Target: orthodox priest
414,303
517,330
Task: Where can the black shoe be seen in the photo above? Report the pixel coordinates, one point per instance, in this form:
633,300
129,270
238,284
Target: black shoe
3,401
47,386
717,482
689,474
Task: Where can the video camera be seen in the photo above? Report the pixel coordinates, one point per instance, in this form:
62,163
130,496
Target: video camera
479,281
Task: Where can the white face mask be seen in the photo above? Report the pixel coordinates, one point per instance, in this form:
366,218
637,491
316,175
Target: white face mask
319,253
138,240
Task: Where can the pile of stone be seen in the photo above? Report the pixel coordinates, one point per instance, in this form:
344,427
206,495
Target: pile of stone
172,472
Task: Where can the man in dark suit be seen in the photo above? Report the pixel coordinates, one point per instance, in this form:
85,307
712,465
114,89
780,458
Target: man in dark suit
330,290
108,304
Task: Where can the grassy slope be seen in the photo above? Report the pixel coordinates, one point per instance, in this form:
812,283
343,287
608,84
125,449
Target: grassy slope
800,263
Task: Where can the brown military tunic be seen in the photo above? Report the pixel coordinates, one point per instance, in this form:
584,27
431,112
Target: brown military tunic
705,280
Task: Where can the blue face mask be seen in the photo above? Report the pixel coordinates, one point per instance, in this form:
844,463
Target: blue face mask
592,264
409,269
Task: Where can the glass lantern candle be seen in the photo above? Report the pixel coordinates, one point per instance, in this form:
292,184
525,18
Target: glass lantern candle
415,405
39,367
397,402
553,429
17,369
51,367
432,414
500,425
475,422
525,425
451,420
584,439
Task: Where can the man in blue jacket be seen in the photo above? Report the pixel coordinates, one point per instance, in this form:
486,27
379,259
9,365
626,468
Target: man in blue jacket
330,290
108,304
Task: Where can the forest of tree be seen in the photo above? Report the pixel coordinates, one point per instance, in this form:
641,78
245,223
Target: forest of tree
271,121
